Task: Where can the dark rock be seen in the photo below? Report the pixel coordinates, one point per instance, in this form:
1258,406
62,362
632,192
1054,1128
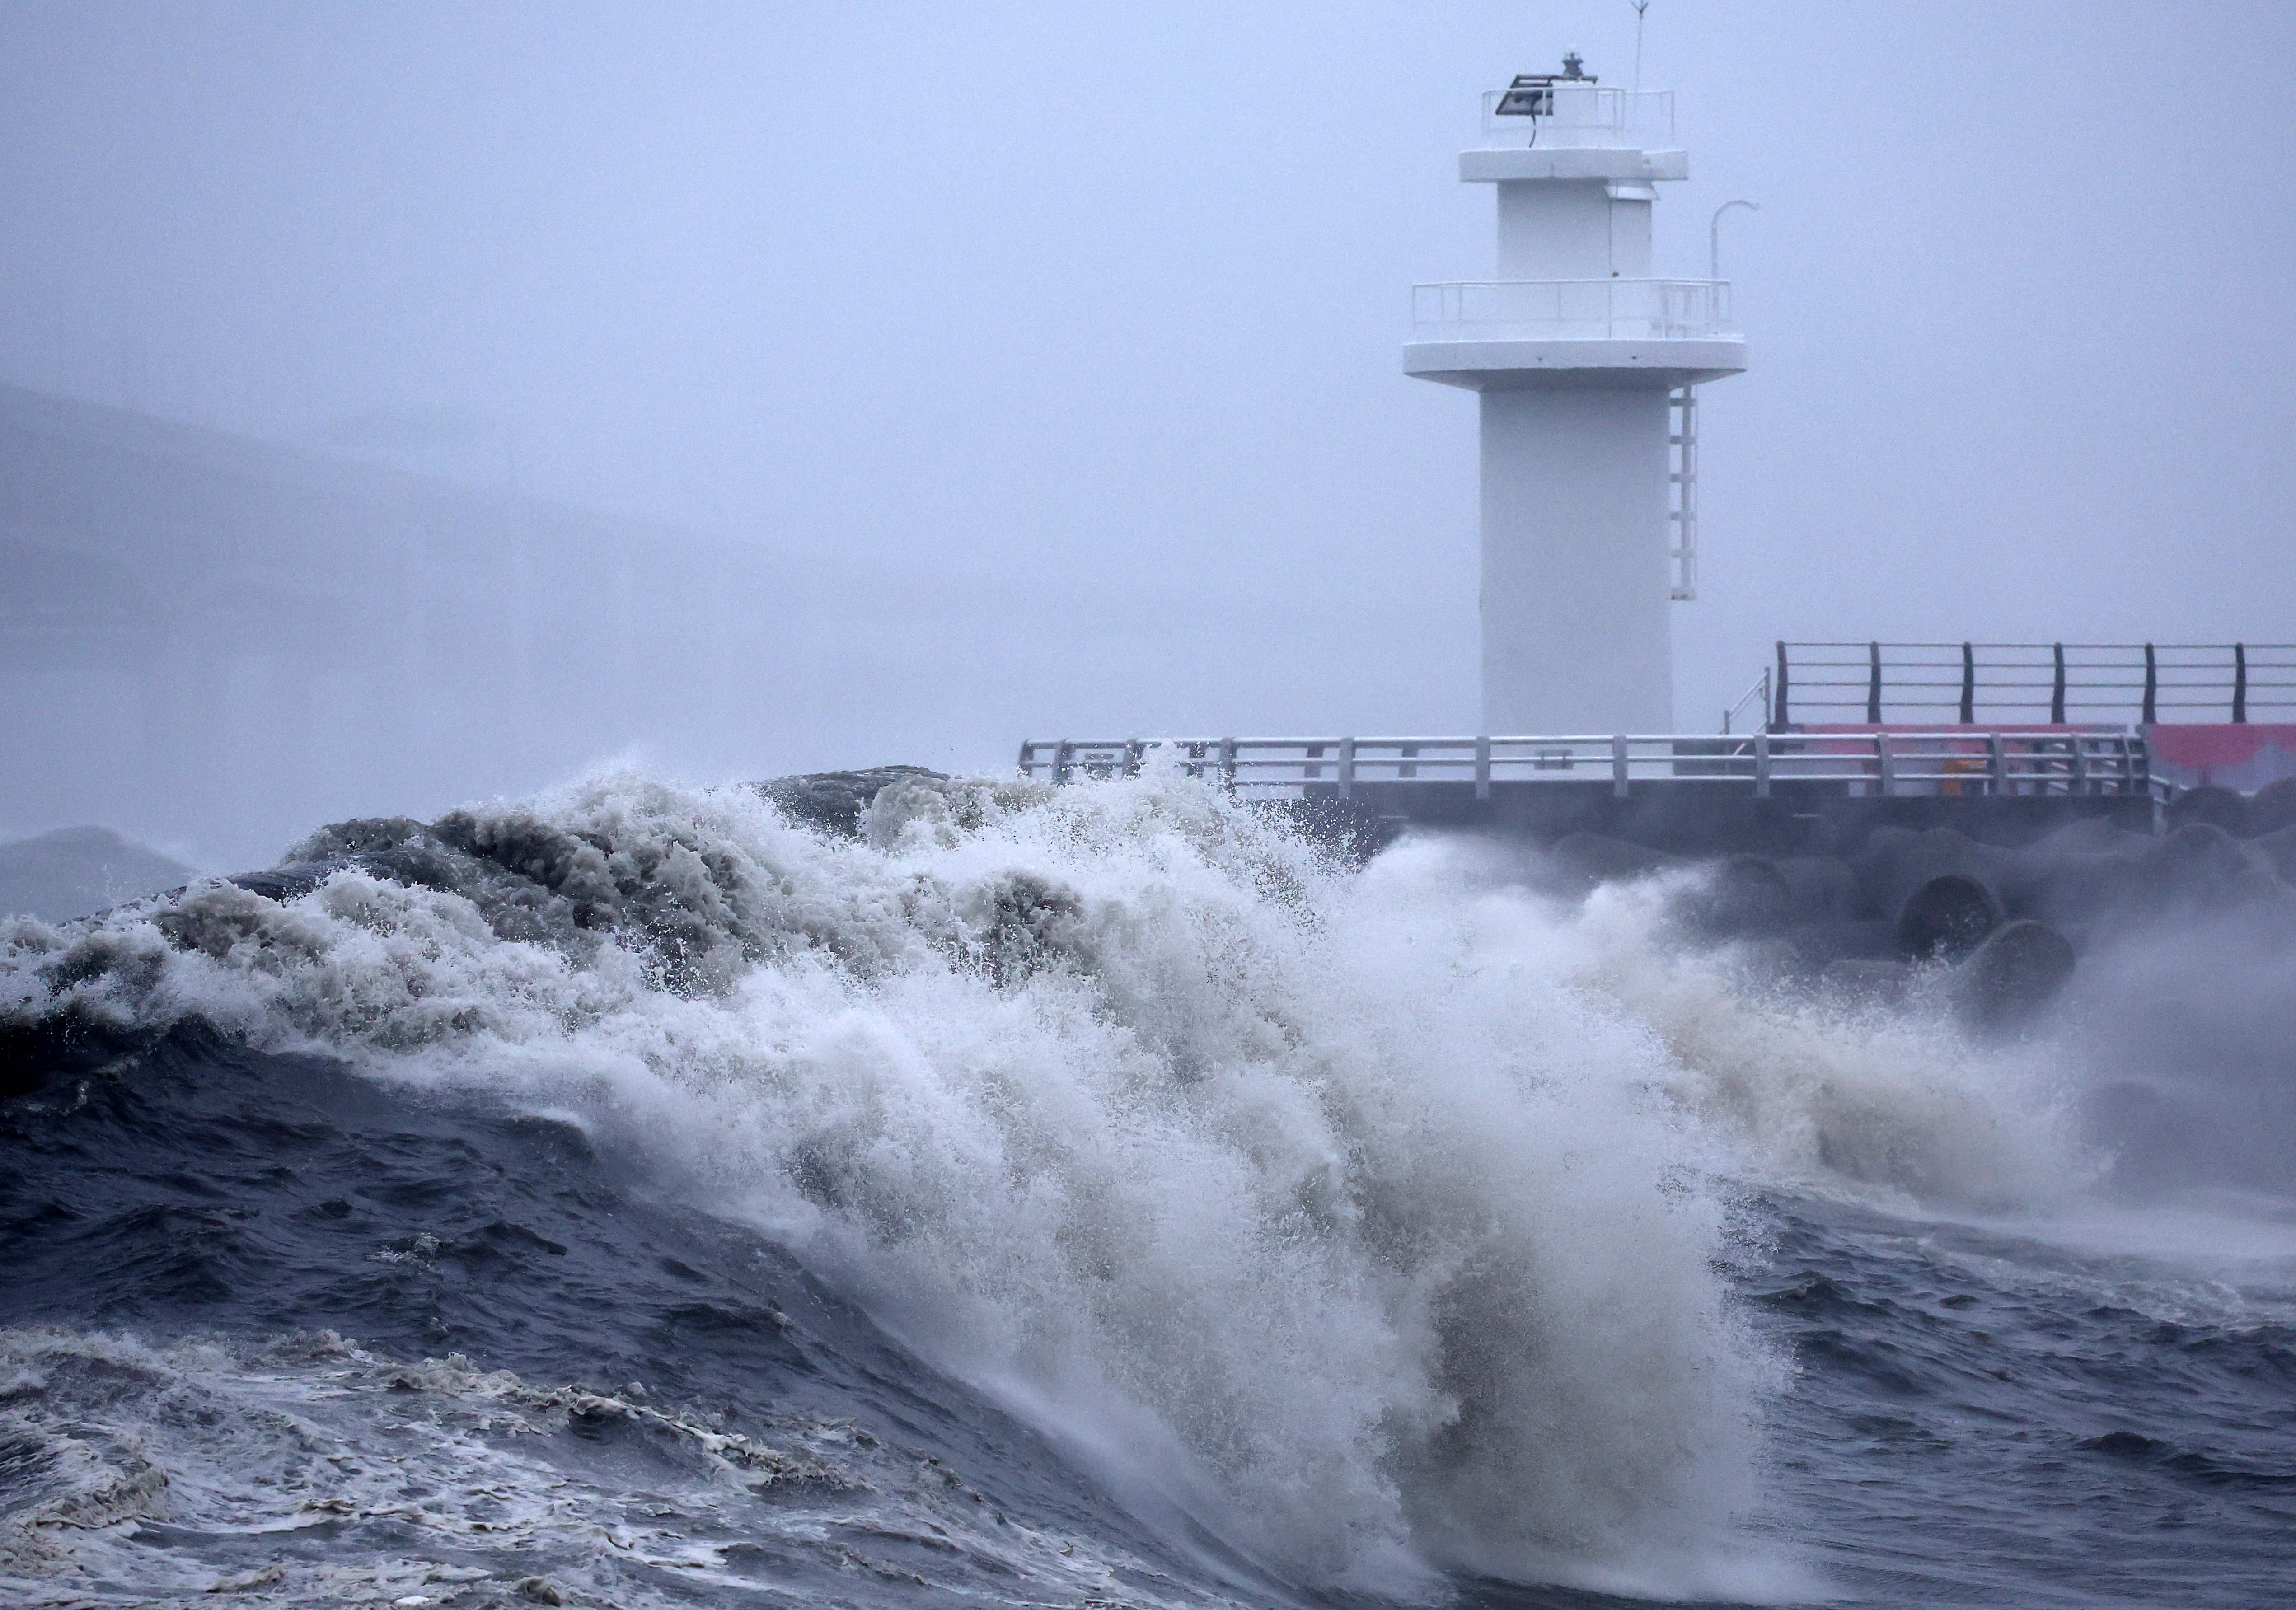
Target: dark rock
1023,924
1947,917
2017,971
2216,807
365,835
286,881
833,801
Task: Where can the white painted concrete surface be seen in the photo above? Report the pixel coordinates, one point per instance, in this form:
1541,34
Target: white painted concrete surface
1574,348
1575,635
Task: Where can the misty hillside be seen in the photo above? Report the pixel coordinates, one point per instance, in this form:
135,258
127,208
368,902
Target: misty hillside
73,871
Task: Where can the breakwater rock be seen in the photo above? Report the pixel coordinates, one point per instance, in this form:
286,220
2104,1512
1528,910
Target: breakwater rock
2009,921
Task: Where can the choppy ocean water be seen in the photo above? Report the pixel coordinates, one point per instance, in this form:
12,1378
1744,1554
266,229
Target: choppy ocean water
1101,1198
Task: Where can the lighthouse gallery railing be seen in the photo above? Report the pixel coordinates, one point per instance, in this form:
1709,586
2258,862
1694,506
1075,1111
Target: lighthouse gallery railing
1583,115
1467,310
1878,763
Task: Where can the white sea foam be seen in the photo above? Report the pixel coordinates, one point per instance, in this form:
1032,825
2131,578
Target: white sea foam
311,1471
1370,1219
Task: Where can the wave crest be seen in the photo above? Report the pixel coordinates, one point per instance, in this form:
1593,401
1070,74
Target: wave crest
1371,1221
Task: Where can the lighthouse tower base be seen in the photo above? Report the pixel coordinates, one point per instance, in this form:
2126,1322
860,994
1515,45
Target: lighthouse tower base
1576,351
1575,564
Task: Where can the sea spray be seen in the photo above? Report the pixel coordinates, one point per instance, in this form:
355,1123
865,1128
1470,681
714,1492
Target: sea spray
1370,1221
1888,1103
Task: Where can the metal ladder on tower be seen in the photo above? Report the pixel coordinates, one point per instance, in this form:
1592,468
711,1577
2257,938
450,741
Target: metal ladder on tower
1682,489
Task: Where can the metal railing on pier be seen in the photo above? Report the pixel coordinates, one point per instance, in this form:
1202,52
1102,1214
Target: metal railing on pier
1973,682
1855,764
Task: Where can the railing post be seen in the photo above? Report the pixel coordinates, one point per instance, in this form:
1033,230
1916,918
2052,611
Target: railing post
2080,764
1028,757
1483,768
1228,763
1887,763
1762,766
2240,681
1347,768
1997,765
1873,684
1406,765
1618,765
2151,687
1968,684
1136,750
2057,688
1061,761
1778,721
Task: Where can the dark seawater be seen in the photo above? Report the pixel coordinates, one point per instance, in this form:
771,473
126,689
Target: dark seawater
271,1207
1084,1202
1984,1420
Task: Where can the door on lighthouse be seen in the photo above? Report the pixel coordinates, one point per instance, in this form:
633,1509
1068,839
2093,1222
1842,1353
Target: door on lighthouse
1630,230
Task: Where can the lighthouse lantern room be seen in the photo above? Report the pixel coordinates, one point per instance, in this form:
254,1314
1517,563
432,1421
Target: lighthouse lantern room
1585,366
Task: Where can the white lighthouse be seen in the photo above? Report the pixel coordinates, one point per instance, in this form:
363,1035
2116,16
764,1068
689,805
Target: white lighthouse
1584,364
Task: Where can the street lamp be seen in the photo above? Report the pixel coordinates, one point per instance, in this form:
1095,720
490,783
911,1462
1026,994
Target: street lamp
1714,236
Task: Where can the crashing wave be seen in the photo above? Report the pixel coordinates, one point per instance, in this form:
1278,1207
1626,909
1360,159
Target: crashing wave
1369,1219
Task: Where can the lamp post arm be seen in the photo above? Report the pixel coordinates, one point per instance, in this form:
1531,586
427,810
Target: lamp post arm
1714,235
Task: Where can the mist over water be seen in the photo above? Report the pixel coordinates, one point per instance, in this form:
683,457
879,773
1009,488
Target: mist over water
754,408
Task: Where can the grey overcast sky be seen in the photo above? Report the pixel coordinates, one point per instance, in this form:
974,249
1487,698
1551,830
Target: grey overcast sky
1080,301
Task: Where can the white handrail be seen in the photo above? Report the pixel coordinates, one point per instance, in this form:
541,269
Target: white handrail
1759,691
1583,114
1572,309
1955,761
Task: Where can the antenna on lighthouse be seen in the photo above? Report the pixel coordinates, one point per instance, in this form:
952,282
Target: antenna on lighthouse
1640,7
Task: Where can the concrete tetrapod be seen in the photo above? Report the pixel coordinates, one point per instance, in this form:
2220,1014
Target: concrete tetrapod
2272,807
1746,895
2217,807
2017,971
1947,917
